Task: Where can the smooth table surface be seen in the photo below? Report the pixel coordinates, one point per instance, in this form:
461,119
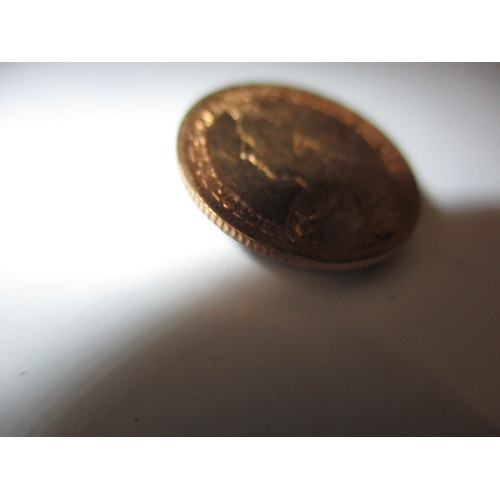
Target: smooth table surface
124,311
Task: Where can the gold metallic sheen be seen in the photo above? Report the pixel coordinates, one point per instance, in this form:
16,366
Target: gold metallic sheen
297,177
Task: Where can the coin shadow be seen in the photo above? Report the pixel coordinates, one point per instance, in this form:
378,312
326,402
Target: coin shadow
409,347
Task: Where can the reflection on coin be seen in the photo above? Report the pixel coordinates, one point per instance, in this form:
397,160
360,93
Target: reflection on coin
297,177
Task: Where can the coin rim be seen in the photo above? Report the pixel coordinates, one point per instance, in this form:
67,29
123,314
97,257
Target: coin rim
369,132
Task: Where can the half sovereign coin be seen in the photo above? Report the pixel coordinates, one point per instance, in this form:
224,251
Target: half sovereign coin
297,177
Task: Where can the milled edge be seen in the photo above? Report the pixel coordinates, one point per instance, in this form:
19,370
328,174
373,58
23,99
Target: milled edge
267,251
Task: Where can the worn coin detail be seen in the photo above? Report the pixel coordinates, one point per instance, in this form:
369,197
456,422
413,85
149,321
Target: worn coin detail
297,177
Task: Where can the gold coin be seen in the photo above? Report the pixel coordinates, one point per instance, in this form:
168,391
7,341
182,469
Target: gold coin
297,177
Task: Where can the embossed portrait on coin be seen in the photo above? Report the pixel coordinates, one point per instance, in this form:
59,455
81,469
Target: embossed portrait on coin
307,173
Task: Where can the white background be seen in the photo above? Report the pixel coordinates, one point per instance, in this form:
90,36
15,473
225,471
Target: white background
123,311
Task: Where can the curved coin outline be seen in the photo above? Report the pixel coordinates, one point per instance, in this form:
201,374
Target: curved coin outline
240,221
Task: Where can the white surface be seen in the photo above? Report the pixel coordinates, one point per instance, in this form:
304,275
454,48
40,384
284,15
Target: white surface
124,311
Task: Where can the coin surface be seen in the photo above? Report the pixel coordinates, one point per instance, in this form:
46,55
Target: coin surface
297,177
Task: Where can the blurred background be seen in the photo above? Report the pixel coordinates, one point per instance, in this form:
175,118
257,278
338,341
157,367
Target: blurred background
124,311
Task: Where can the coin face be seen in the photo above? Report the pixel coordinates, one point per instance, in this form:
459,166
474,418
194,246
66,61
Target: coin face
297,177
